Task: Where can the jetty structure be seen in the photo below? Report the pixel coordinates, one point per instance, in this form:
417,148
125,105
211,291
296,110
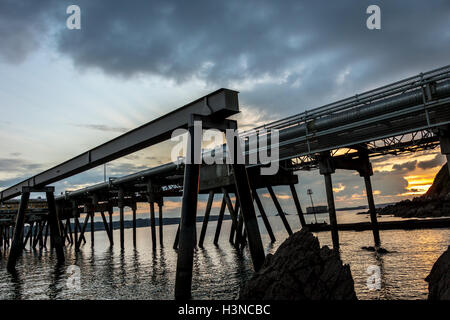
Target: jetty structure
403,117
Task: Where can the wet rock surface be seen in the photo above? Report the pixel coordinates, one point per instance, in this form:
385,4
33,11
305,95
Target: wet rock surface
301,270
439,278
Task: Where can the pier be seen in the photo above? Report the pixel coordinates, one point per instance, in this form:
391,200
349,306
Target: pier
403,117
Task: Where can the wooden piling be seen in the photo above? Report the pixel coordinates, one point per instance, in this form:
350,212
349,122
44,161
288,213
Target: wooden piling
55,232
298,206
28,235
46,234
219,221
372,211
332,211
279,210
232,212
134,223
153,223
206,218
177,237
121,203
239,229
244,196
92,228
263,215
111,224
108,231
17,244
83,229
187,242
161,222
69,226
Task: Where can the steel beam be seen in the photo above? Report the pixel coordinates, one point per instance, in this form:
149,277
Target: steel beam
221,103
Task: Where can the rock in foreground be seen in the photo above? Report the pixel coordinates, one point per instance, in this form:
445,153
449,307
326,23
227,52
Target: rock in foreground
439,278
301,270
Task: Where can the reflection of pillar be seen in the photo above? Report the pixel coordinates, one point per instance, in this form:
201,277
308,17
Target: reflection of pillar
444,138
326,169
187,237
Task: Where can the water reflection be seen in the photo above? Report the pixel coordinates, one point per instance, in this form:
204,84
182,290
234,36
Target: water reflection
219,271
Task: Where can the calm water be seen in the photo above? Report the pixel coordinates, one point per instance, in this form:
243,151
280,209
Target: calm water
108,273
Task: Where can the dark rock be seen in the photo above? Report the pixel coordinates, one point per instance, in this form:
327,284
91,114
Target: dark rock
378,250
439,278
301,270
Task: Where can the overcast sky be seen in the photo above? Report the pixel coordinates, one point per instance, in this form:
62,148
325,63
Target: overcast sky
65,91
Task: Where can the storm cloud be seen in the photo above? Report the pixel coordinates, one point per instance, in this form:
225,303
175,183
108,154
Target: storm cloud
278,54
282,56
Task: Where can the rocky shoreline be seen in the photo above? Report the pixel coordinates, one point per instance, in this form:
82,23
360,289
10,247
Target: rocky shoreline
434,203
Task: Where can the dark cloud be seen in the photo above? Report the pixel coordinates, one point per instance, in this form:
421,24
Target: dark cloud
438,160
405,166
18,165
23,27
317,51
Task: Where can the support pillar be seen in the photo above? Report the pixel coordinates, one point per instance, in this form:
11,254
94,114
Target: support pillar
444,138
279,210
365,172
206,218
161,221
238,239
92,213
134,224
121,204
244,197
153,223
263,216
55,232
17,244
76,222
232,212
326,169
219,221
373,212
187,239
107,229
151,200
297,206
111,225
177,237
